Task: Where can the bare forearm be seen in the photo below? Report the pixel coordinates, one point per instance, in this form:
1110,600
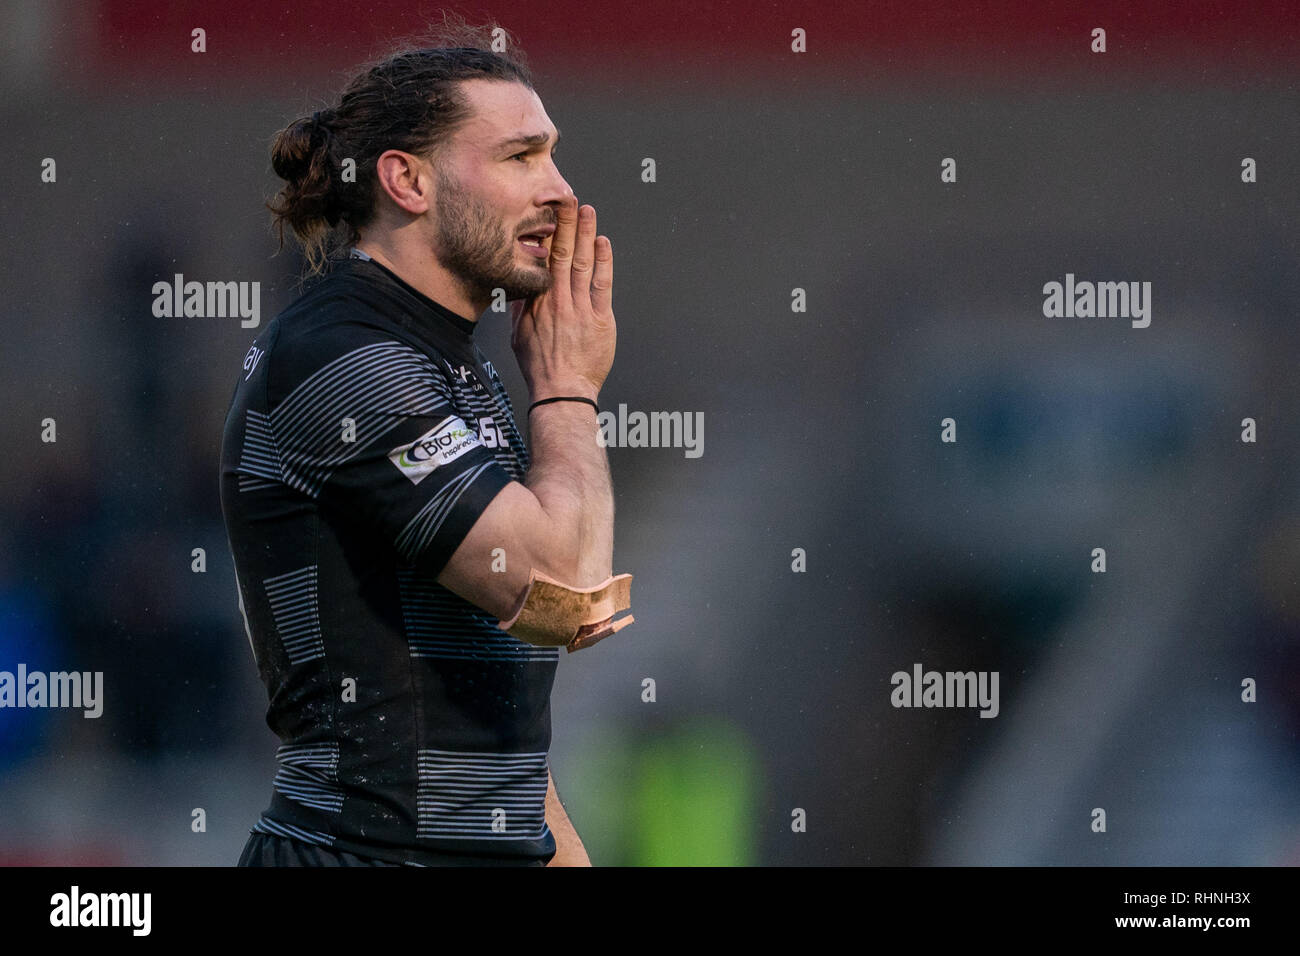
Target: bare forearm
570,478
569,850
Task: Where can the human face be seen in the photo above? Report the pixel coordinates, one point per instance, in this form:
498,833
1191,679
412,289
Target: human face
496,183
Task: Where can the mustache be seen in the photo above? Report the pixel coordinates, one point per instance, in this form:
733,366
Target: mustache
544,222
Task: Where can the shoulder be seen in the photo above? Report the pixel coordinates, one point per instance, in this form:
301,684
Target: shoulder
337,337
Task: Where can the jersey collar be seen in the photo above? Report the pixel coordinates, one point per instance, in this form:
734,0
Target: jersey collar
461,324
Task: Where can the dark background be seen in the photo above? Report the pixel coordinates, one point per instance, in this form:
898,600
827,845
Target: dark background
775,171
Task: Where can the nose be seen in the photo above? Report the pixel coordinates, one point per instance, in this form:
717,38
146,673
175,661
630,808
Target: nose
556,190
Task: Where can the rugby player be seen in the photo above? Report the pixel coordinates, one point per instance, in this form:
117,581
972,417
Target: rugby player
385,517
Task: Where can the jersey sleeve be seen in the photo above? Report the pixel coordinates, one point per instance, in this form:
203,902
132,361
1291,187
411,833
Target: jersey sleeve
364,423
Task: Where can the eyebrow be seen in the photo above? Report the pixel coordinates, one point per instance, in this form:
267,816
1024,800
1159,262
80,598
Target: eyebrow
536,139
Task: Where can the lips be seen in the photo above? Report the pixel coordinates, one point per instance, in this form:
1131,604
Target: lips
535,241
535,249
537,237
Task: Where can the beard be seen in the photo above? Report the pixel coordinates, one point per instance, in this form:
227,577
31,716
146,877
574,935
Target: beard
471,245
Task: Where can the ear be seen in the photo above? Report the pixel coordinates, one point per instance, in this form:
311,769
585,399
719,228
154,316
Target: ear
406,180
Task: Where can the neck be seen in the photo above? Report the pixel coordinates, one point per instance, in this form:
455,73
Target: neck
420,270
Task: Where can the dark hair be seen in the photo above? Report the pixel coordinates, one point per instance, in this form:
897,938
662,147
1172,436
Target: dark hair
409,100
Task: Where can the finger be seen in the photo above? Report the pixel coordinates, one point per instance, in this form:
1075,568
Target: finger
566,228
602,283
584,253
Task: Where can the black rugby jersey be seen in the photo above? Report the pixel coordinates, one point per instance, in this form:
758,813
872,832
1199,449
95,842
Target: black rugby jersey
365,437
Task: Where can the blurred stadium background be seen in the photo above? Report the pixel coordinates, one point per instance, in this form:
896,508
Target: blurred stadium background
775,170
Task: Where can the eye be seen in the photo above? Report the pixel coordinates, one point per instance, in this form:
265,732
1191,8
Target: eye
523,156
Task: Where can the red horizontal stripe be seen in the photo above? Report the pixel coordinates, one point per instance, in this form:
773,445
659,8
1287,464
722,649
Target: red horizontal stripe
258,41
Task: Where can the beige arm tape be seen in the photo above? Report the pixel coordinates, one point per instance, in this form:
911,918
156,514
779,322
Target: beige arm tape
554,614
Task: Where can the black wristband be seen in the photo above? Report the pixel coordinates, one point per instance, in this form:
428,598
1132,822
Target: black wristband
565,398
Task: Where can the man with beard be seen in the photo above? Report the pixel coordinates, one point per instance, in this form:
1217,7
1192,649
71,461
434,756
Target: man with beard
381,506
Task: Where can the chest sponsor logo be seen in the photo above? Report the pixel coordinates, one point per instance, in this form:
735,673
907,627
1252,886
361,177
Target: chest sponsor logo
464,375
490,433
441,445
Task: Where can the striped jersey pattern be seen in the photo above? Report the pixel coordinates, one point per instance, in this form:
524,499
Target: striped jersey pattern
366,435
309,775
292,597
501,794
442,624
